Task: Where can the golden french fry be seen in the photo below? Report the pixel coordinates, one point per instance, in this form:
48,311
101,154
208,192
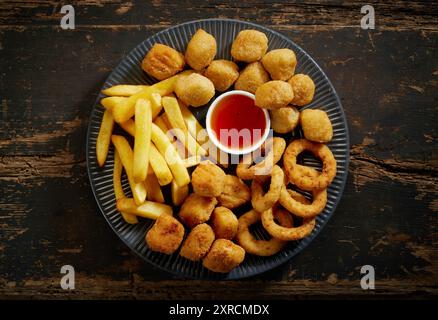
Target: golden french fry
156,104
104,137
159,166
124,90
127,156
168,151
179,194
128,126
153,189
118,190
149,209
161,123
192,124
142,141
109,102
191,161
173,135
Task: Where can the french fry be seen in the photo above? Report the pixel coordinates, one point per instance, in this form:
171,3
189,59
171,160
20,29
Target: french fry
109,102
168,151
175,136
104,137
159,166
179,194
127,156
149,209
156,104
118,190
128,126
191,161
153,188
142,141
124,90
161,122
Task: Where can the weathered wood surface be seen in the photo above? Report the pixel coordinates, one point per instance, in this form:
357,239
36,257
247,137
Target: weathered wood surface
387,79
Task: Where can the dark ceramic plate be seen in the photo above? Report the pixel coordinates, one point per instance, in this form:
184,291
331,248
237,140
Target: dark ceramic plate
129,72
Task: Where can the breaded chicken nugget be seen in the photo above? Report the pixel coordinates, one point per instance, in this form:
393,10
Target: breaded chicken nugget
222,73
303,88
224,223
235,193
249,46
162,62
201,50
285,119
316,125
208,179
274,95
280,63
194,89
165,235
198,242
252,77
196,209
224,256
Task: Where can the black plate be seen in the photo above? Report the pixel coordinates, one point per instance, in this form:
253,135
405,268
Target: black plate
129,72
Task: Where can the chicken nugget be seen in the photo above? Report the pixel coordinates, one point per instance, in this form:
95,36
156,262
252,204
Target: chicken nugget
280,63
235,193
316,125
208,179
162,62
224,223
165,235
285,119
222,73
249,46
194,89
303,88
252,77
198,242
274,94
196,209
201,50
224,256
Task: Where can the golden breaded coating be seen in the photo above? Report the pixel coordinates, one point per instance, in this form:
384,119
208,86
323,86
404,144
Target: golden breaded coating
196,209
222,73
198,242
194,89
235,193
280,63
274,94
223,256
249,46
252,77
304,89
208,179
201,50
162,62
165,235
316,125
224,223
285,119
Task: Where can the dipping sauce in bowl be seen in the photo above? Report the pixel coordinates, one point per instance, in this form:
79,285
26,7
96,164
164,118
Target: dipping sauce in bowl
235,124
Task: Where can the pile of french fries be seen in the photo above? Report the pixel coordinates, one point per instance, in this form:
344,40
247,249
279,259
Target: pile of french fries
168,139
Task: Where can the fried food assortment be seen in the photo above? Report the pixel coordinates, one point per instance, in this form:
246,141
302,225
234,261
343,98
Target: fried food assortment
222,73
249,46
274,94
196,209
285,119
223,256
224,223
252,77
280,63
235,193
162,62
316,125
303,88
198,242
194,90
208,179
201,50
165,235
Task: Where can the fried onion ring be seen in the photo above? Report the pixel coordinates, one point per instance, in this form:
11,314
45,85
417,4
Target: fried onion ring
262,202
305,210
273,148
303,178
260,247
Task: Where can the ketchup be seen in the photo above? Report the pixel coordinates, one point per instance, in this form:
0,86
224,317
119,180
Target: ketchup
238,112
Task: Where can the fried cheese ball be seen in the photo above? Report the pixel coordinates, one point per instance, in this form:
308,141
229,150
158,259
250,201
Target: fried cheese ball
280,63
198,242
304,89
208,179
201,50
223,73
274,94
316,125
194,89
252,77
224,223
235,193
196,209
224,256
165,235
285,119
162,62
249,46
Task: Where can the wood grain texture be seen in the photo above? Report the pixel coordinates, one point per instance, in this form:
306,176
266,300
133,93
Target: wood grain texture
387,80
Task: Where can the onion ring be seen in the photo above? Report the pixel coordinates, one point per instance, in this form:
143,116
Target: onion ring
301,177
276,148
262,202
260,247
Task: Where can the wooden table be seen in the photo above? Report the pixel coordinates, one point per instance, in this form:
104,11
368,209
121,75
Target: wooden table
387,79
